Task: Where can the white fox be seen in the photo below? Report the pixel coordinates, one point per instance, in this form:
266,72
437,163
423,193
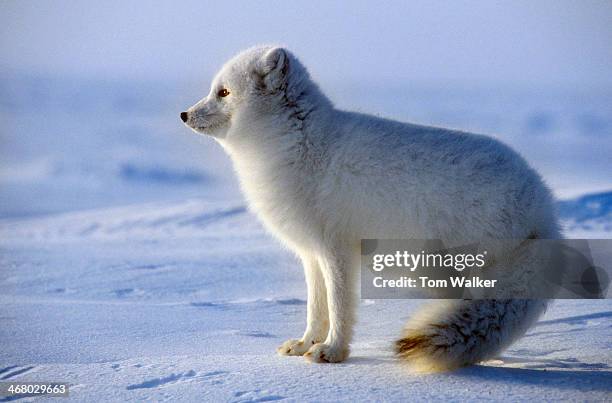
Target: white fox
322,179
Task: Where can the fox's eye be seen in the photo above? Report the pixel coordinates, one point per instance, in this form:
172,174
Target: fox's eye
223,93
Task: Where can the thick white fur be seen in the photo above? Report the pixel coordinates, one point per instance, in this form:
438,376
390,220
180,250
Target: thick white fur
321,179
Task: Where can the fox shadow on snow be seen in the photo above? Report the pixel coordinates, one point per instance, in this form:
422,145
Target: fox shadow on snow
593,380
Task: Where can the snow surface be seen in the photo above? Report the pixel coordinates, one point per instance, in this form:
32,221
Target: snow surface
189,300
131,268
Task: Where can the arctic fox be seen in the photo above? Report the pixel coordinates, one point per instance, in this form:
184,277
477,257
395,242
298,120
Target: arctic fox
321,179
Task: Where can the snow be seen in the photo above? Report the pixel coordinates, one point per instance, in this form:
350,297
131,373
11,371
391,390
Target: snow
189,300
132,269
589,216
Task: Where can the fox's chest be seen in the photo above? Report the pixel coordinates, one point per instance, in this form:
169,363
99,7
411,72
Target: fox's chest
284,202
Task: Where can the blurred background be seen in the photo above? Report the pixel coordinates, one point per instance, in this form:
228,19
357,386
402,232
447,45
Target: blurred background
90,92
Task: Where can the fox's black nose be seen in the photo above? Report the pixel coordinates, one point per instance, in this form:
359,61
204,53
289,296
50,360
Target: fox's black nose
184,116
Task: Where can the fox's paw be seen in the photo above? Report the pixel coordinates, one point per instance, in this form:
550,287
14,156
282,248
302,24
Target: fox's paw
321,352
293,347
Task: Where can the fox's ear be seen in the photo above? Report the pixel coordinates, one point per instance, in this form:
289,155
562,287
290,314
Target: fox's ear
273,68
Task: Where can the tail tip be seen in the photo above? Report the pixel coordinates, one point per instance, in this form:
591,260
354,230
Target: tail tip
422,355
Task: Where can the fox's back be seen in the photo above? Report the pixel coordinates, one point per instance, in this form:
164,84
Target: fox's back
434,181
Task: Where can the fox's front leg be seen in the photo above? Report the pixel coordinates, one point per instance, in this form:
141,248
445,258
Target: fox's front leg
339,275
317,314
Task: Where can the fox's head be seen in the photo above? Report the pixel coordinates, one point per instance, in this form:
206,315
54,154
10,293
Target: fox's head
257,83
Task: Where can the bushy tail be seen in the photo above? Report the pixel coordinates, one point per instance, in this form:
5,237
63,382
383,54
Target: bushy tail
454,333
